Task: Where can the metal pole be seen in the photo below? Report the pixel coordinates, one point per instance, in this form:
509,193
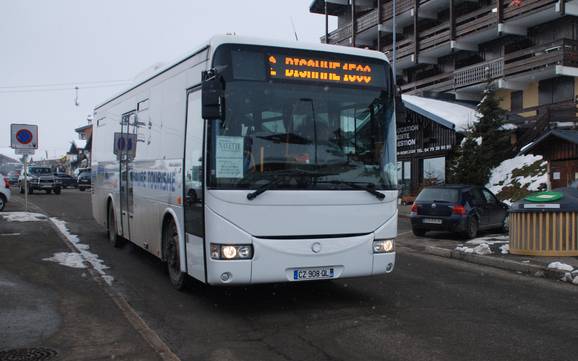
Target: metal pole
326,24
26,183
394,55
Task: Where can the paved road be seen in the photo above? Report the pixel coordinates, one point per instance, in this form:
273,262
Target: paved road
428,309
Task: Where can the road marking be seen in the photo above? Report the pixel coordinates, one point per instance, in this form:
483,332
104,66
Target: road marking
9,234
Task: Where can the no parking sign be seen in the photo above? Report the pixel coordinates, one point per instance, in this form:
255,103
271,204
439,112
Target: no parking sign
24,136
125,144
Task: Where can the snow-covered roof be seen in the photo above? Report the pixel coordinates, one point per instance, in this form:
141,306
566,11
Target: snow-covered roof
449,114
567,135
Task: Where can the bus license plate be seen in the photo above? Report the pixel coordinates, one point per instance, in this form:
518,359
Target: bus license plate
432,221
320,273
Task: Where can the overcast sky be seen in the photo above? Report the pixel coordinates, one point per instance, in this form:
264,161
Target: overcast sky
60,44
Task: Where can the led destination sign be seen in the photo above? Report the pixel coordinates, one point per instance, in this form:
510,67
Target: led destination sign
325,70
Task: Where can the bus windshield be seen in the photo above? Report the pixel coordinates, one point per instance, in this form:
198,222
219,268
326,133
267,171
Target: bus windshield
303,136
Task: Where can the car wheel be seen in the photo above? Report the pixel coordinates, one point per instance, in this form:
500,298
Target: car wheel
30,190
57,190
48,191
81,189
418,232
2,202
21,189
172,257
112,236
472,228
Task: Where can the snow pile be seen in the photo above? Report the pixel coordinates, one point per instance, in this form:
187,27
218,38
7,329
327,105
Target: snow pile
68,259
490,240
560,266
526,172
483,249
571,277
505,248
570,274
461,116
83,251
23,217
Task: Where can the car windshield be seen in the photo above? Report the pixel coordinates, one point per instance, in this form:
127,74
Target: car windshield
40,170
438,195
317,137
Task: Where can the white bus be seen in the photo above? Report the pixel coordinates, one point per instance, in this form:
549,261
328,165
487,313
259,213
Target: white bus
254,161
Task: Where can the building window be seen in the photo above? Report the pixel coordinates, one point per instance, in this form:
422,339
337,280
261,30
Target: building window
556,90
434,171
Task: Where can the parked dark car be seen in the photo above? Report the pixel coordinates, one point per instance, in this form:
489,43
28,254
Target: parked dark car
67,181
462,209
40,179
83,181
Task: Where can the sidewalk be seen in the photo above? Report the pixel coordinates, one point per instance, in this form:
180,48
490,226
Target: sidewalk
56,307
489,250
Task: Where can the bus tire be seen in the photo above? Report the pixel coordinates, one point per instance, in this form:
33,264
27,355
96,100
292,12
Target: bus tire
171,255
113,237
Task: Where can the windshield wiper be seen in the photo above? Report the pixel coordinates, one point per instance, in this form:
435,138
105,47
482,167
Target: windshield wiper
265,187
369,187
279,176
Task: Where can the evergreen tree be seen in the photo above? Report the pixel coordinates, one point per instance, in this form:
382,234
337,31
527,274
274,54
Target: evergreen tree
495,146
465,166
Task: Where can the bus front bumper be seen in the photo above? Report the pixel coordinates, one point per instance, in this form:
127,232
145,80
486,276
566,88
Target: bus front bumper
291,260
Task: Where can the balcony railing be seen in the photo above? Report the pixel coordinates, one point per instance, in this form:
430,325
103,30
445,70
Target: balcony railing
479,73
561,52
536,58
469,23
525,7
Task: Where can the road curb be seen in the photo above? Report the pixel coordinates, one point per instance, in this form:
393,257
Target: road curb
501,263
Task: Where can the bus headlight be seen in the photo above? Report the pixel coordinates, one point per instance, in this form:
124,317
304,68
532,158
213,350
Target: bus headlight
383,246
231,251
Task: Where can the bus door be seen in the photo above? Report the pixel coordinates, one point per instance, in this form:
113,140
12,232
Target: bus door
193,186
126,191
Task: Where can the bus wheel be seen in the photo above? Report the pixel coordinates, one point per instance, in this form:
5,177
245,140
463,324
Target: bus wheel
172,257
113,237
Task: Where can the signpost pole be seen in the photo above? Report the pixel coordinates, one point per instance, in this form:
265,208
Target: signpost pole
26,183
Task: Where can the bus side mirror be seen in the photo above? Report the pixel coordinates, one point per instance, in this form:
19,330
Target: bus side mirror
212,95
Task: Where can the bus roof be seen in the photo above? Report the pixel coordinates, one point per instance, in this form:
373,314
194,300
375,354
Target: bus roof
218,40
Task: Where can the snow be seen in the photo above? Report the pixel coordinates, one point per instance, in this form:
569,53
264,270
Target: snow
502,175
505,249
23,217
83,250
493,239
560,266
461,116
482,249
68,259
508,126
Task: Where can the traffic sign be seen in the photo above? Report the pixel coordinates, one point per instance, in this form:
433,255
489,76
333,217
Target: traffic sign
23,136
125,144
23,151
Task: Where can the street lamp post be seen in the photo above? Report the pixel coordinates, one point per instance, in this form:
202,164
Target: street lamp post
394,53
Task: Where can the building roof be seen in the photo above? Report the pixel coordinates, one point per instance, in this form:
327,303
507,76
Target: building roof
334,7
567,135
83,128
449,114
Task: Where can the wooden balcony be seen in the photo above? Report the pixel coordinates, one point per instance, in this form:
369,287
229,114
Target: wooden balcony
527,7
562,52
535,59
